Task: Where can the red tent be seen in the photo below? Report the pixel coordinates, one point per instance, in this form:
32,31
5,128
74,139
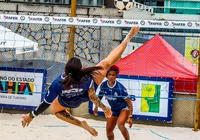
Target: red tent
157,58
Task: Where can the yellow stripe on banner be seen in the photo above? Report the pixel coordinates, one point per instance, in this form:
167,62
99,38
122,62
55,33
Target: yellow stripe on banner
31,86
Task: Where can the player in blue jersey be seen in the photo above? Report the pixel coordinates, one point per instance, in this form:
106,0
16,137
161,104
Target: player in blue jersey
78,85
48,99
120,102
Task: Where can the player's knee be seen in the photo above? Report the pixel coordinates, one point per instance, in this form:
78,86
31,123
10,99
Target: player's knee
121,127
60,114
109,131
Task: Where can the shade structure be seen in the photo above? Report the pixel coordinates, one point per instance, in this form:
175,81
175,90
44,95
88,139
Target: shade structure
157,58
11,40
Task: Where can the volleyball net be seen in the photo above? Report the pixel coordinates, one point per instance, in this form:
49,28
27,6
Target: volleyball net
158,67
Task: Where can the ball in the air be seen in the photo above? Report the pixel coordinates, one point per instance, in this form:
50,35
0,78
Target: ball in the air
123,5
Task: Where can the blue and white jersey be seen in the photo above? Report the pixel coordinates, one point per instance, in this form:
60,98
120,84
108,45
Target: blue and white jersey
54,90
69,98
115,95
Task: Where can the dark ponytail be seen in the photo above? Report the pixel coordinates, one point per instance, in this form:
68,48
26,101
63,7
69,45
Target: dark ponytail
75,75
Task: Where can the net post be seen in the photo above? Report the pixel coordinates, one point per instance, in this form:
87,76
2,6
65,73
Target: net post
72,30
72,33
197,108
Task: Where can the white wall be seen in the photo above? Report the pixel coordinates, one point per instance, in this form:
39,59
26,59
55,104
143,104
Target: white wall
135,13
177,17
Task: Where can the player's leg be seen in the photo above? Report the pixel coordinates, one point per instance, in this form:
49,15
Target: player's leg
115,55
110,126
121,123
62,113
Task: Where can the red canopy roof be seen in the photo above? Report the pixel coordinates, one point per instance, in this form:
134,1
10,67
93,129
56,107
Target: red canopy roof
157,58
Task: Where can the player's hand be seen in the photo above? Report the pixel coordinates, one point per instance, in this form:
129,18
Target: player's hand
108,112
130,122
26,120
95,112
134,30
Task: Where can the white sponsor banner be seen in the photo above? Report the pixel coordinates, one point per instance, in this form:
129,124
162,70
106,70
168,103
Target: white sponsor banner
100,22
21,88
151,98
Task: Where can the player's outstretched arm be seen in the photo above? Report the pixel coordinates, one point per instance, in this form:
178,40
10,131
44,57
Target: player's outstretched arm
29,117
95,99
100,95
130,107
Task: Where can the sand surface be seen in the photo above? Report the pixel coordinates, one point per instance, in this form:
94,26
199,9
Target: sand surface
48,127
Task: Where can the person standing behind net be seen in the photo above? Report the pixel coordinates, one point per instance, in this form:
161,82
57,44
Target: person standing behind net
121,105
78,85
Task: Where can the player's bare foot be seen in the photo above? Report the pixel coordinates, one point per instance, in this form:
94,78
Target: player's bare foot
91,130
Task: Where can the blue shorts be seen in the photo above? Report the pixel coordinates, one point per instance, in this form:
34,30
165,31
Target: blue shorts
116,113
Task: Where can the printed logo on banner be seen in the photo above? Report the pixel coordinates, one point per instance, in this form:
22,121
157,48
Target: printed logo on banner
178,24
194,53
71,20
94,20
16,85
189,24
131,22
46,19
10,17
107,21
22,18
59,20
197,24
142,22
154,23
150,101
166,23
35,18
83,20
119,21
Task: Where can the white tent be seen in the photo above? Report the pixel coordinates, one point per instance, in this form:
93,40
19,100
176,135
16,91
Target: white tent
11,40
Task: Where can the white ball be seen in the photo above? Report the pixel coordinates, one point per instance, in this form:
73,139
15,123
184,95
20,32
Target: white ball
123,5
